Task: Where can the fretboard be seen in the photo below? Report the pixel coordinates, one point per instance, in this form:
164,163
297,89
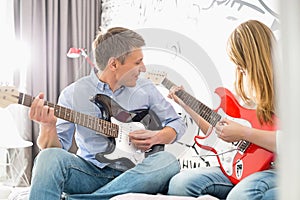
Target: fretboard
205,112
101,126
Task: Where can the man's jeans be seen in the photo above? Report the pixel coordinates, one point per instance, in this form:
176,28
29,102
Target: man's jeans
57,171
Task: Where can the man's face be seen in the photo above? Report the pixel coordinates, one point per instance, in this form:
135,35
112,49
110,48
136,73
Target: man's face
128,73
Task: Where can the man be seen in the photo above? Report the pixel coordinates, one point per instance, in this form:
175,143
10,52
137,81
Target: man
118,55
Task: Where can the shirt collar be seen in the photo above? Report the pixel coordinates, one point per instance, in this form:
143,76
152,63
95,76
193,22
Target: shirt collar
120,90
100,85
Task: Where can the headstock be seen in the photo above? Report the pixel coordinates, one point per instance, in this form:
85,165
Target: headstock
8,95
156,77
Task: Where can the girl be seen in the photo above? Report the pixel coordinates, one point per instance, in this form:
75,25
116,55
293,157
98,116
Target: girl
250,48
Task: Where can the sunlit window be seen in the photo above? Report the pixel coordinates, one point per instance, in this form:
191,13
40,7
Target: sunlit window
14,54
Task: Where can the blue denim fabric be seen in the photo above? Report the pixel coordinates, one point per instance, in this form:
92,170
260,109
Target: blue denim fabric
56,171
258,186
201,181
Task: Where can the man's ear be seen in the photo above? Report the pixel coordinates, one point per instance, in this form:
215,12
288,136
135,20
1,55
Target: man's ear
112,63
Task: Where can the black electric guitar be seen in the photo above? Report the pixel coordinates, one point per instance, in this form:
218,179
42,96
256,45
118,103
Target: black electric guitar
239,159
115,124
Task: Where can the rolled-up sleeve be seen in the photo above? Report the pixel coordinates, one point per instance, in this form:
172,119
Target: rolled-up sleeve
147,96
65,129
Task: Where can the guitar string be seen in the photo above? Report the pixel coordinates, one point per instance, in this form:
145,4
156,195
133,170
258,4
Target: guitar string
208,114
26,100
218,154
86,120
99,124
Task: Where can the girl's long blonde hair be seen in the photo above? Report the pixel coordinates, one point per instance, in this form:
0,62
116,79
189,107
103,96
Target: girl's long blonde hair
250,47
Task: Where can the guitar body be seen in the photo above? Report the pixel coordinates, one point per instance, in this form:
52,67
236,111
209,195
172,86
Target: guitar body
241,158
121,154
116,124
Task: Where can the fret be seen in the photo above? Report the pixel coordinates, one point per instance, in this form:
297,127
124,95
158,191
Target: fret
65,114
113,131
68,115
99,125
94,124
167,83
104,127
82,122
21,99
212,118
90,122
72,116
79,119
205,112
195,105
86,120
49,104
216,118
76,118
27,100
57,111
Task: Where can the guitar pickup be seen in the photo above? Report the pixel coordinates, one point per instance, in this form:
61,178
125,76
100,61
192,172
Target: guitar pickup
243,145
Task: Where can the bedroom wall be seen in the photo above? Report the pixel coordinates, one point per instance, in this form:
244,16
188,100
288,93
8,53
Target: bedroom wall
187,40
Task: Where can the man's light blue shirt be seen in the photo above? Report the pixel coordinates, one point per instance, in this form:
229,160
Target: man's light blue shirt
77,96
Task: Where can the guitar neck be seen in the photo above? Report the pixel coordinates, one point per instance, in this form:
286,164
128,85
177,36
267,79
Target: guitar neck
205,112
99,125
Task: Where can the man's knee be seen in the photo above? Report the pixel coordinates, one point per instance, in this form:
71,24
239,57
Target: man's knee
50,158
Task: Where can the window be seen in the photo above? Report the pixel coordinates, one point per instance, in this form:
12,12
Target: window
14,54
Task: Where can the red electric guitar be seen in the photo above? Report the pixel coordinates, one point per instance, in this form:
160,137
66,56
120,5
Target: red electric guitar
239,159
